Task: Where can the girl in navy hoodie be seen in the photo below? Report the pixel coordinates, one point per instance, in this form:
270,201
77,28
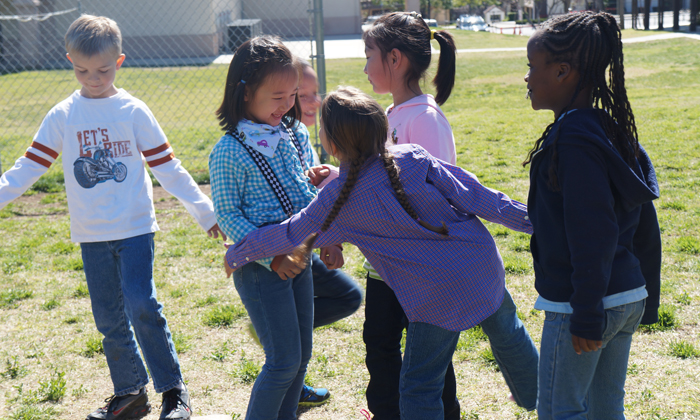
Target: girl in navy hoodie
596,243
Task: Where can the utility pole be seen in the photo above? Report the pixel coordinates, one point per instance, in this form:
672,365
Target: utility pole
320,57
676,15
621,12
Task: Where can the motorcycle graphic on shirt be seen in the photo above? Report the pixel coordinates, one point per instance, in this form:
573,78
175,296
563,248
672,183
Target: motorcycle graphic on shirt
101,167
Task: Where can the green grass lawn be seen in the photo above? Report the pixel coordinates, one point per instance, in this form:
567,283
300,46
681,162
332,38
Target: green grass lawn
50,361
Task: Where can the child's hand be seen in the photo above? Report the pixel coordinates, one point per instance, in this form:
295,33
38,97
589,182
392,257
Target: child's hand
215,231
585,344
228,268
332,256
287,267
317,174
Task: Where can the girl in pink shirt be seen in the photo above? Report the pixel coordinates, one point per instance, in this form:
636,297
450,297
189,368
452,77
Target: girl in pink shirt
398,50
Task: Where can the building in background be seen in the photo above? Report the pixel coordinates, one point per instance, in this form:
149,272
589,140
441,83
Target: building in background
494,14
158,32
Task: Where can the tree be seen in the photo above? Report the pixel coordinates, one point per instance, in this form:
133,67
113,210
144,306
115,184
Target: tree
478,4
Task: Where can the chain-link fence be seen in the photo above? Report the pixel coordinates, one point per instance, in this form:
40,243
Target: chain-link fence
177,56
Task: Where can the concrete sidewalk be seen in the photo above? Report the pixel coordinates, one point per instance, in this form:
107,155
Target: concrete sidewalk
353,47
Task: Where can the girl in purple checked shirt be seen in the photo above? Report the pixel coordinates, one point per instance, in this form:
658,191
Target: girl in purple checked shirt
415,219
398,50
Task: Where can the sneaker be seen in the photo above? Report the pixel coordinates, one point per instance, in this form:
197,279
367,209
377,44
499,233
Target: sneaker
176,405
313,397
124,407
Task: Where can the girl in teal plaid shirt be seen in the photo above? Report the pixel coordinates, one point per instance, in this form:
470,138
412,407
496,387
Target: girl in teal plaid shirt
258,178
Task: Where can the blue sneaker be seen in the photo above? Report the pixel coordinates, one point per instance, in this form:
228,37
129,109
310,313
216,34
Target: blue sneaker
313,397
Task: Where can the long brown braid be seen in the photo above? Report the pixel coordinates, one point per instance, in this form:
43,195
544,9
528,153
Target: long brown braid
353,172
356,126
591,42
392,169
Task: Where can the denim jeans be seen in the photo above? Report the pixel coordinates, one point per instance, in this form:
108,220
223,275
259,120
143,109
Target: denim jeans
514,351
385,321
428,352
123,296
282,313
336,295
590,385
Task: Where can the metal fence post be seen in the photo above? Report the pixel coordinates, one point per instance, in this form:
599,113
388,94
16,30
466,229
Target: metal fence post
621,12
320,58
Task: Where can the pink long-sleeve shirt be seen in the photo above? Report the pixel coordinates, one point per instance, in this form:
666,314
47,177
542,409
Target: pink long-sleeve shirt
421,121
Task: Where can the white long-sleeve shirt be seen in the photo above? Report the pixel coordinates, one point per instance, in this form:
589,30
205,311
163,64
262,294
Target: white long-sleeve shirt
104,143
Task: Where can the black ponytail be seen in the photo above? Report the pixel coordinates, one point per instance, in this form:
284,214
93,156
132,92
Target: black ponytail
444,79
408,33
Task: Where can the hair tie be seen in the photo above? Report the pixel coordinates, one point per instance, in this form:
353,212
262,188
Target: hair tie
242,81
432,34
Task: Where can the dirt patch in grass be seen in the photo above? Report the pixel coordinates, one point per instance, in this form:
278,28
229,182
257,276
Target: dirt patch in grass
54,204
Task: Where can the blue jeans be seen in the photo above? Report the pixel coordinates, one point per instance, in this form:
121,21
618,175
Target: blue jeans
282,313
123,296
514,351
590,385
385,321
428,352
336,295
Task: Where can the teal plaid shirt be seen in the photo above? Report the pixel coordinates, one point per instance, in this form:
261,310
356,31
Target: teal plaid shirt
243,200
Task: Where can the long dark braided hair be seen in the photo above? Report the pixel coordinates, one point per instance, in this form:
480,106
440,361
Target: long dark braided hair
591,43
254,62
409,33
355,124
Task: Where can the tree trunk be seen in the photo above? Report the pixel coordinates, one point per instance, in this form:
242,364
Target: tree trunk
621,12
647,13
661,11
635,14
676,15
694,6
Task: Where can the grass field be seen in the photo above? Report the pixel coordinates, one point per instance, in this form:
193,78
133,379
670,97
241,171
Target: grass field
51,366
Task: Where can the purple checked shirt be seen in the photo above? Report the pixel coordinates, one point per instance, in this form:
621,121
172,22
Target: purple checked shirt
454,281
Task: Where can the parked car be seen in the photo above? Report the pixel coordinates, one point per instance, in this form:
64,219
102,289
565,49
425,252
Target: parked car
472,23
431,22
371,19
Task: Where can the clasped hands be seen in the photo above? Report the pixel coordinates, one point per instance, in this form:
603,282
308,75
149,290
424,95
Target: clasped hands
288,266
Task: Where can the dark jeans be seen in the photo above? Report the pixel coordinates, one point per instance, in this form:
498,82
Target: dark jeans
385,321
336,295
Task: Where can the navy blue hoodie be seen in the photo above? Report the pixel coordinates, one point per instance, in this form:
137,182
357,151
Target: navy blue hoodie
599,234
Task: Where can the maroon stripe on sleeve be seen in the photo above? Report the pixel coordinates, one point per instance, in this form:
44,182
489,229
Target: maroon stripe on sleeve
157,162
163,147
37,159
39,146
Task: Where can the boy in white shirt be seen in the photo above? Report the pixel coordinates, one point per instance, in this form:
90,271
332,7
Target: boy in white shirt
104,134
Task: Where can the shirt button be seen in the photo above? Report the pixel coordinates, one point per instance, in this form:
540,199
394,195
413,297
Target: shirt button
527,218
234,264
247,259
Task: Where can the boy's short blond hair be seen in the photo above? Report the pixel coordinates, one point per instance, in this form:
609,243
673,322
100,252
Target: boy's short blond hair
90,35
